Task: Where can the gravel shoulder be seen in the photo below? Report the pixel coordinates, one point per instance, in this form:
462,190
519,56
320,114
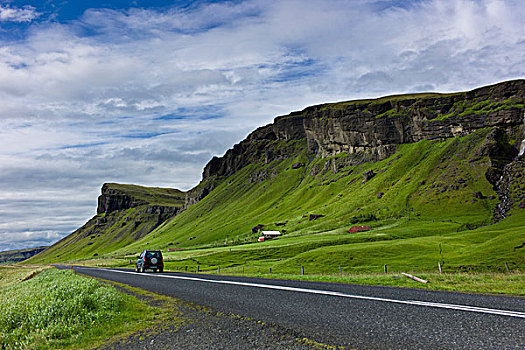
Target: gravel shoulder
189,326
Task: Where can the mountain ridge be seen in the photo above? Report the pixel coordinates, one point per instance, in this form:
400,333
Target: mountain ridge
372,129
454,158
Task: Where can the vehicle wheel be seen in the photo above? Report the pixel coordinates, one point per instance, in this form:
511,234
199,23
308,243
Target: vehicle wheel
161,270
154,270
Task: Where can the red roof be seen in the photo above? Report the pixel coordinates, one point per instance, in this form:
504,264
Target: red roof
355,229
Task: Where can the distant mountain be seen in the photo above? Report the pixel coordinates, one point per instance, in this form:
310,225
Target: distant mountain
18,255
455,158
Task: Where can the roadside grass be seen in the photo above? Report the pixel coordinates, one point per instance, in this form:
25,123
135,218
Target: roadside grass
57,309
491,283
100,262
11,274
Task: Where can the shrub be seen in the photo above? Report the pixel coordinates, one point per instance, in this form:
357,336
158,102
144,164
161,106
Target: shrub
363,218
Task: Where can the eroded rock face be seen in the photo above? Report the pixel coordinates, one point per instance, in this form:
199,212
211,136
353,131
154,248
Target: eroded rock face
370,126
511,188
194,195
112,200
373,128
242,154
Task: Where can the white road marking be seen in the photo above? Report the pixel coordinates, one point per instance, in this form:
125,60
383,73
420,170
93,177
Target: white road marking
339,294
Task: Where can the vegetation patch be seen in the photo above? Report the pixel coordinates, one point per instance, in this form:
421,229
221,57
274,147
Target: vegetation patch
486,283
58,309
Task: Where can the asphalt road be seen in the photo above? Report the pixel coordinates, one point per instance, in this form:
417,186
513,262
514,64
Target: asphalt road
353,316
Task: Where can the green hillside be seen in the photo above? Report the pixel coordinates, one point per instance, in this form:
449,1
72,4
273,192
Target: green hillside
434,193
437,177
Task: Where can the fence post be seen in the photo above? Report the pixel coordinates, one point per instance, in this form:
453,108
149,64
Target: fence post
385,269
302,270
219,270
340,270
186,268
243,270
507,267
439,266
197,268
270,270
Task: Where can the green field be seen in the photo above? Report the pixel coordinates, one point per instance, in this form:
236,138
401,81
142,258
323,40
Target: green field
485,249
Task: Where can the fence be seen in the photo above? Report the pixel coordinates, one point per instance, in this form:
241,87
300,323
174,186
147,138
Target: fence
337,270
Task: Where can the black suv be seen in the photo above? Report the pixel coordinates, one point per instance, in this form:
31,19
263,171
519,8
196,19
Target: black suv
150,259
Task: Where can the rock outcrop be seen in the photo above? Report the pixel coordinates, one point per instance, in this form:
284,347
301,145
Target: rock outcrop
125,214
113,199
116,197
373,128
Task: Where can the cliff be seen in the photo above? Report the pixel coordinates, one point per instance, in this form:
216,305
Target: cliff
120,197
376,126
125,214
371,130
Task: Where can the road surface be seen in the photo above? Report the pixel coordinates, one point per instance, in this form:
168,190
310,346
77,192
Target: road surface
353,316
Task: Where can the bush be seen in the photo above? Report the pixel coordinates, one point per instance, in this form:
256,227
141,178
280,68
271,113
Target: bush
363,218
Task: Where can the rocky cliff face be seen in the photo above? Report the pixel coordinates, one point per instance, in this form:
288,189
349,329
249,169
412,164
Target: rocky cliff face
372,125
158,205
373,128
125,214
113,199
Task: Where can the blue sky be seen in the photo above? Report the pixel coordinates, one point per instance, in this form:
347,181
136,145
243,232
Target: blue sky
146,92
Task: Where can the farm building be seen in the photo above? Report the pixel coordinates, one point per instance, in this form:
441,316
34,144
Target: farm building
266,235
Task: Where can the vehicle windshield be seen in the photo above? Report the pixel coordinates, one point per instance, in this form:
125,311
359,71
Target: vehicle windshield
153,255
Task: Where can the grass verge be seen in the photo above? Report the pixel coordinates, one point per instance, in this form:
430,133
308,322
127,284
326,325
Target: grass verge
57,309
487,283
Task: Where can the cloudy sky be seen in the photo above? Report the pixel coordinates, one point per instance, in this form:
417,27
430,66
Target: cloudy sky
147,91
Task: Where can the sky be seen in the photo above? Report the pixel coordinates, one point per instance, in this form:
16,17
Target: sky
148,91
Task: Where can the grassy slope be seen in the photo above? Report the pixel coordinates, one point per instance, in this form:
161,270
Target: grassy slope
230,211
422,216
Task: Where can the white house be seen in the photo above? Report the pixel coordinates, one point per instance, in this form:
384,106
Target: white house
265,235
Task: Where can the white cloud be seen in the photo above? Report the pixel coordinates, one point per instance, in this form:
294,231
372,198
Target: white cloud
25,14
142,96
